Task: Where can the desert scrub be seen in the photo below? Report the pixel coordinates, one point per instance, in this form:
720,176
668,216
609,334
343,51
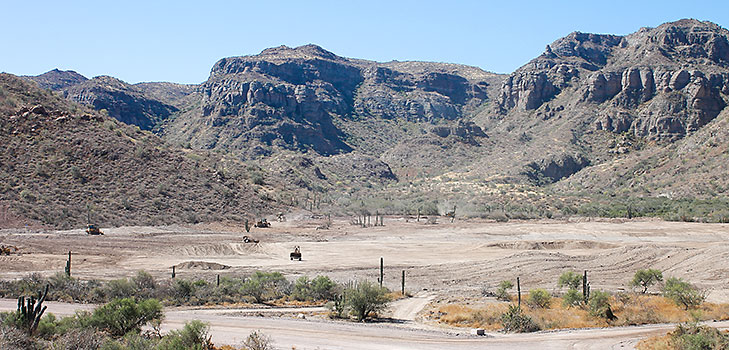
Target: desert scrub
539,298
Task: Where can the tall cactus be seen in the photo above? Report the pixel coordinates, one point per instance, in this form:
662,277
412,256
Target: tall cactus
585,288
68,265
31,310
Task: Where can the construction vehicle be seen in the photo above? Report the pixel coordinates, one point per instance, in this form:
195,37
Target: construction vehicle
93,230
296,254
247,239
263,223
8,249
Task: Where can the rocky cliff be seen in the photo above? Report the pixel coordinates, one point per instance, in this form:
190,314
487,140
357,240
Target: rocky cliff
146,105
309,99
657,84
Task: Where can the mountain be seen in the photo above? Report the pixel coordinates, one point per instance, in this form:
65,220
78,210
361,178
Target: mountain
57,79
61,161
146,105
594,115
591,98
308,99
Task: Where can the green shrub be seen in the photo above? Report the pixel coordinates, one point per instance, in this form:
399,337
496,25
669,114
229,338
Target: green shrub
572,298
697,337
365,298
646,278
194,336
320,288
122,316
514,320
683,293
539,298
264,286
599,305
570,279
502,291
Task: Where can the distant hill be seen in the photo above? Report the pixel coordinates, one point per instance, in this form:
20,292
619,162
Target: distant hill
60,159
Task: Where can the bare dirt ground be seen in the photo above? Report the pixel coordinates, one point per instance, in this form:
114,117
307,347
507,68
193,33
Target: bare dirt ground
443,262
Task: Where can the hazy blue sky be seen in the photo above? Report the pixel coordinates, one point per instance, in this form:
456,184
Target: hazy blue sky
180,40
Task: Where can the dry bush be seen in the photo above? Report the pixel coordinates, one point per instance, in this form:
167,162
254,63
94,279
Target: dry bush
630,309
663,342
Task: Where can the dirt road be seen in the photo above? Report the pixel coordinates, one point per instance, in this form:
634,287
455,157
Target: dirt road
229,328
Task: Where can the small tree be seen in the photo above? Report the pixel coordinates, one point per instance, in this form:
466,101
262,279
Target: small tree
539,298
683,293
502,292
646,278
365,298
570,279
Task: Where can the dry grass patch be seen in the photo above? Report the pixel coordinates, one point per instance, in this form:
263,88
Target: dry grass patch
630,309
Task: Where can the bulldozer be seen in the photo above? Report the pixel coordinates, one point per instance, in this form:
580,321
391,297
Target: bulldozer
8,249
93,230
296,254
263,223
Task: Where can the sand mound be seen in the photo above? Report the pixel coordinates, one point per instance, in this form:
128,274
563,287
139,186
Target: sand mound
201,265
552,245
221,249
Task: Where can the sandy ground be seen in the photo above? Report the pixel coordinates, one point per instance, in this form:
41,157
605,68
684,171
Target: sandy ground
445,261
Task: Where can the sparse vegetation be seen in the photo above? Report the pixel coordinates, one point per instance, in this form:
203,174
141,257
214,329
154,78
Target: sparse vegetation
539,298
646,278
365,298
683,293
502,292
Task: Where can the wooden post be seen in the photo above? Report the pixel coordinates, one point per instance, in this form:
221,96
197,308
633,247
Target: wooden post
518,290
418,214
173,271
218,284
382,270
403,282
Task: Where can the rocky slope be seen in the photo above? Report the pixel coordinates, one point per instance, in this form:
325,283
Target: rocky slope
573,102
308,99
146,105
60,158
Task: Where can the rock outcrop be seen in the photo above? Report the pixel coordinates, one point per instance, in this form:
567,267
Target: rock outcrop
305,98
122,101
658,83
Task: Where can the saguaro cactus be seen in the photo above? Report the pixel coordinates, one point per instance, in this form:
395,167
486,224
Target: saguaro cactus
31,310
68,265
585,288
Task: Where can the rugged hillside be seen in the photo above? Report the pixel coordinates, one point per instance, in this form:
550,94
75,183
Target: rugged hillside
146,105
59,159
589,98
308,99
